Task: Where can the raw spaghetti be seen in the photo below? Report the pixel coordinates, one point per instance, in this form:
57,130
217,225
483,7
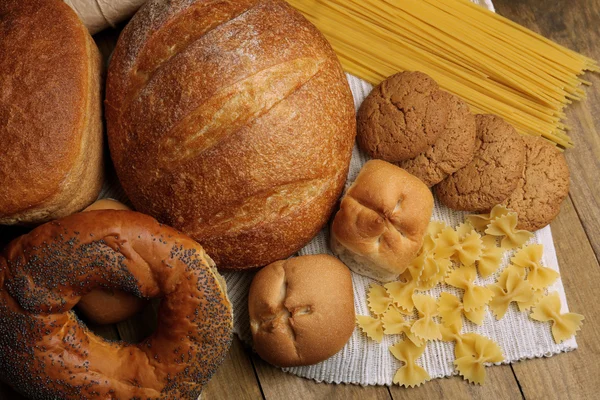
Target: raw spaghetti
494,64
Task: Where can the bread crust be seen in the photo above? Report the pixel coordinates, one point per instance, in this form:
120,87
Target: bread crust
48,353
295,316
232,122
50,112
382,220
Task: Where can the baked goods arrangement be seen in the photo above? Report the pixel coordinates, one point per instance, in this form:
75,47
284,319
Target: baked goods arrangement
231,127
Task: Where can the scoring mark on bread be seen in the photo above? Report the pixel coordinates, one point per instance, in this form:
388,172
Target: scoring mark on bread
234,107
276,202
176,36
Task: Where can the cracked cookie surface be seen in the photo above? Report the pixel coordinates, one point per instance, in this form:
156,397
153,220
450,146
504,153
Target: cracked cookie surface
542,187
452,150
494,172
401,117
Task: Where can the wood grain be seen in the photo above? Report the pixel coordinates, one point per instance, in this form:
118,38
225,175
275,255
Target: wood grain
500,384
235,377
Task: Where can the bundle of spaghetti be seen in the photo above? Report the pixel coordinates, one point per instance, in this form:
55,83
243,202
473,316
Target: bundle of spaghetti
494,64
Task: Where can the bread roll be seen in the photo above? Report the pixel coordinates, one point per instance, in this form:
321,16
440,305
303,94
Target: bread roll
382,220
301,310
231,121
50,112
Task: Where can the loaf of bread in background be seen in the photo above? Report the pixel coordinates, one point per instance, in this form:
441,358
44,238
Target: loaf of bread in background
231,121
382,220
50,112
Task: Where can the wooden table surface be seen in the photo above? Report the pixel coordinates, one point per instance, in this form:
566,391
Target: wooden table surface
574,375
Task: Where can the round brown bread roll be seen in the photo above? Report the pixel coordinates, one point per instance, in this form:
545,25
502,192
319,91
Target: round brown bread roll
301,310
109,307
47,353
542,187
494,172
401,117
50,112
233,122
382,220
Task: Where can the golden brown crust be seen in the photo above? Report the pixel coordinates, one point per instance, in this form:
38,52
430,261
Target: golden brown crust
295,316
452,150
108,307
494,172
242,136
50,112
382,220
47,352
543,186
401,117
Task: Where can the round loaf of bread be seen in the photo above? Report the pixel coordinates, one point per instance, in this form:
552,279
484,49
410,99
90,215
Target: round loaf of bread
382,220
301,310
50,112
231,121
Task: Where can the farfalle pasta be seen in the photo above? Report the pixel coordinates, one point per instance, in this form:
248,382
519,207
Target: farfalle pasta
429,268
563,325
506,227
511,286
476,351
426,327
394,323
526,305
475,296
372,327
491,257
378,299
530,258
402,293
466,249
410,374
481,221
451,309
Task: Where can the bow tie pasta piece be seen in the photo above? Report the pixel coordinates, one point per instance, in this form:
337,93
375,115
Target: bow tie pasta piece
464,229
410,374
511,286
526,305
481,221
394,323
372,327
491,257
506,226
475,297
563,325
450,308
435,228
402,293
428,268
425,327
465,249
477,350
378,299
530,258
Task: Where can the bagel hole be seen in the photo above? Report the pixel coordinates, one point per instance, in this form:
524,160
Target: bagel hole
133,329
